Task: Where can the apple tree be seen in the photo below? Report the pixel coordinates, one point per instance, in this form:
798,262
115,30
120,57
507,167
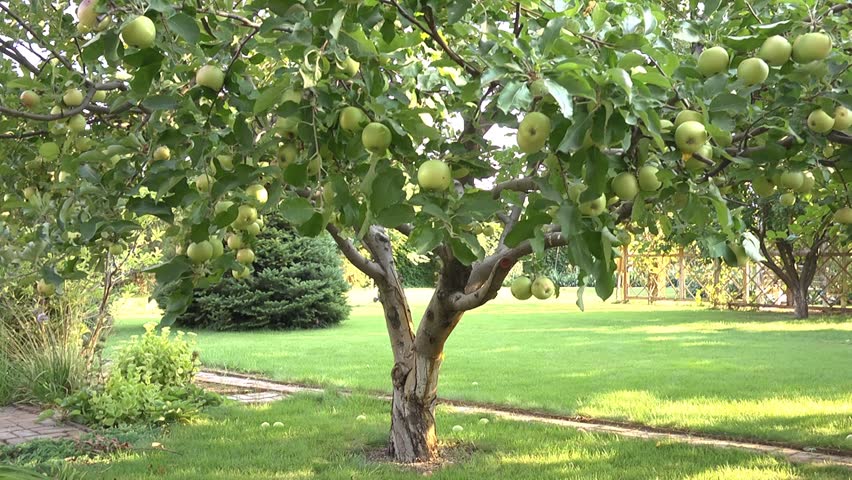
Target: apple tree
566,122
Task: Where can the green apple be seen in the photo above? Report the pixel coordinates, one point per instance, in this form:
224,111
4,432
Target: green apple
116,249
73,97
99,96
533,132
376,138
775,51
30,192
543,288
763,187
625,186
688,116
350,67
245,256
246,216
648,180
257,194
352,119
820,122
538,88
808,183
210,76
218,248
666,126
45,289
843,216
792,180
30,99
810,47
200,252
752,71
87,14
842,118
288,153
787,199
434,175
49,150
690,136
593,208
315,165
253,229
241,274
488,230
162,153
235,242
77,123
203,182
712,61
522,288
226,162
139,32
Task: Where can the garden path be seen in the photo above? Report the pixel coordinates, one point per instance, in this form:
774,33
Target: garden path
257,391
18,425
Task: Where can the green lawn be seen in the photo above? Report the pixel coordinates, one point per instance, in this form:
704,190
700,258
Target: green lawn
760,376
321,439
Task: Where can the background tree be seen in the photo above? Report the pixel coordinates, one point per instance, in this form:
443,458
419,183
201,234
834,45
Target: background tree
357,117
297,283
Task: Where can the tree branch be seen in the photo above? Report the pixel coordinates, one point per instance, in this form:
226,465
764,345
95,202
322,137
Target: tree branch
18,136
523,184
370,268
37,37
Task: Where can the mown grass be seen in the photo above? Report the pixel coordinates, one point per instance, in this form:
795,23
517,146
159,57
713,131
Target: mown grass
321,439
746,375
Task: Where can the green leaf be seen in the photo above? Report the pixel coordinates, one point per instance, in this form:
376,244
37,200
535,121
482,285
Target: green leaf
515,96
297,210
170,271
395,215
424,238
522,230
336,23
148,206
457,9
730,103
620,77
462,251
270,97
479,205
562,97
357,41
160,102
185,26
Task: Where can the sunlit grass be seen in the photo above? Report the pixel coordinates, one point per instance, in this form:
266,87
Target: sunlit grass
748,375
321,439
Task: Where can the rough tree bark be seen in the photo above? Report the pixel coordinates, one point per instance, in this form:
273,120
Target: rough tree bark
797,282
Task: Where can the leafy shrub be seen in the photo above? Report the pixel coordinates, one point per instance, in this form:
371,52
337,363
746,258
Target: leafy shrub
52,458
149,384
297,283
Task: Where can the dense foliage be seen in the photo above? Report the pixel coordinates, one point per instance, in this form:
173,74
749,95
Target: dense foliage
297,283
563,121
149,383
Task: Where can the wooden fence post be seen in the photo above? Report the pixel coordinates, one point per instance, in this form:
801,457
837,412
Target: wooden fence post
681,276
625,276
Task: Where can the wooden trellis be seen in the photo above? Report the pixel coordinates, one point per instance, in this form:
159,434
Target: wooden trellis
687,276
